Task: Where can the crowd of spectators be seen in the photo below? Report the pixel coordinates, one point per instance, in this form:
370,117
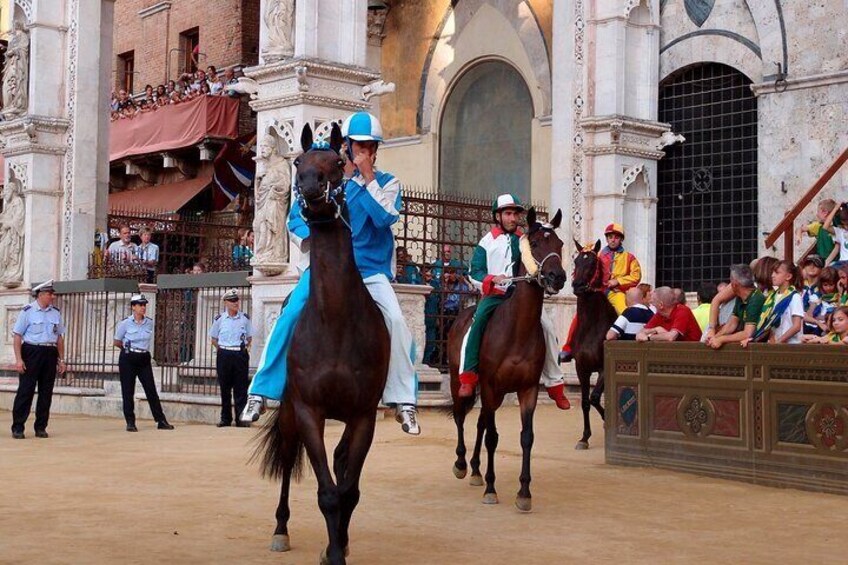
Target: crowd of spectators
187,87
769,300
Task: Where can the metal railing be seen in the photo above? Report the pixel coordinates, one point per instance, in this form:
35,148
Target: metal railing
183,239
91,310
186,307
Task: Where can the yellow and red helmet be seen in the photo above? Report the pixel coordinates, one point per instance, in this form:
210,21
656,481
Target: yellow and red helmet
615,228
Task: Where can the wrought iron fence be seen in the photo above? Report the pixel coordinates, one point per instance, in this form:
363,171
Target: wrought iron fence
91,310
438,234
184,239
186,306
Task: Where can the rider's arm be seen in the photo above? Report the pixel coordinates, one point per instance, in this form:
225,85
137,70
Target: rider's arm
296,224
480,276
382,203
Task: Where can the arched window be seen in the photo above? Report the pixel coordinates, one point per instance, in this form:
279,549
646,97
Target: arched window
707,186
486,134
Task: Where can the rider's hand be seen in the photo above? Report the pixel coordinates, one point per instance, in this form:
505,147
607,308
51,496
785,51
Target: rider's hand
498,279
365,165
613,283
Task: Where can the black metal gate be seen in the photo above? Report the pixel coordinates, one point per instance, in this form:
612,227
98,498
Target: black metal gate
707,186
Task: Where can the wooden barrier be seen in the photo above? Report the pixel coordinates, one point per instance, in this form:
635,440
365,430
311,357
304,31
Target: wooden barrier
769,414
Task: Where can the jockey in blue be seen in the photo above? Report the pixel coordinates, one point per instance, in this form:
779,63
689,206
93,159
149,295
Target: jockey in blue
373,201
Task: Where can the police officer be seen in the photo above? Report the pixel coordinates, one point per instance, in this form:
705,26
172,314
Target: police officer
39,345
133,336
231,334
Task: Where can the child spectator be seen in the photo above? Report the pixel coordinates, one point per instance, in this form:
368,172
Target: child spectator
836,223
706,293
763,269
811,267
633,319
646,295
842,286
782,317
838,329
824,240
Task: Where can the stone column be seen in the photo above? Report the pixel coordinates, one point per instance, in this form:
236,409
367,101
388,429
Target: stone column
605,76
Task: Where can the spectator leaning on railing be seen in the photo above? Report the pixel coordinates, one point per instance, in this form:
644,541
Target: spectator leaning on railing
672,322
746,314
634,317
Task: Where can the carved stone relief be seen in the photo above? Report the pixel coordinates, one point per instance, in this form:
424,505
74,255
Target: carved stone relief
279,23
12,228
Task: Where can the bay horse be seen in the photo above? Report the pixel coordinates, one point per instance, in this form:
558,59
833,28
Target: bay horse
338,362
512,355
596,316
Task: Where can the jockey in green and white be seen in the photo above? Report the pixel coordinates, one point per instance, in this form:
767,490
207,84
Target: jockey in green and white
496,260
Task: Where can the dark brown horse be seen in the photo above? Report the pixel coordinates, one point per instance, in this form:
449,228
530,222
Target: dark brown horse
338,361
512,355
596,316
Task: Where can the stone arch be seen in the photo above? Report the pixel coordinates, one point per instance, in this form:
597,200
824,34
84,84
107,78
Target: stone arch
487,111
711,49
477,29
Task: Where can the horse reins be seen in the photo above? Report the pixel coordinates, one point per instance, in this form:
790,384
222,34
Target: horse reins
537,278
331,194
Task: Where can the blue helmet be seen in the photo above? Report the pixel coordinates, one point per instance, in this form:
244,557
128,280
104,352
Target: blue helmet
362,126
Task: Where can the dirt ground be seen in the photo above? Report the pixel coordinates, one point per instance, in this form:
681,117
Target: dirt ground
93,494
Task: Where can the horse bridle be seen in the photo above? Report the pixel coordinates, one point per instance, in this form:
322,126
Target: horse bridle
598,274
331,193
538,278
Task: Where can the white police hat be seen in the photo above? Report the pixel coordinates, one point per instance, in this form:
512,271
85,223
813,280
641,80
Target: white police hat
46,286
230,296
138,299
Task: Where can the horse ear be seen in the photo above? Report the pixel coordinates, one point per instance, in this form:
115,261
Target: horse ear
531,219
306,138
577,245
597,246
557,219
336,138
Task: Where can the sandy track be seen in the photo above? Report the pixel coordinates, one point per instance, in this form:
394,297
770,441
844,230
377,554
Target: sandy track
93,493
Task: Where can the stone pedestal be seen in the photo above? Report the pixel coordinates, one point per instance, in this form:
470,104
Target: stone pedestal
11,304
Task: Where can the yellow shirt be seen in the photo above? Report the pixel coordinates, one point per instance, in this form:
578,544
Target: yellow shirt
702,315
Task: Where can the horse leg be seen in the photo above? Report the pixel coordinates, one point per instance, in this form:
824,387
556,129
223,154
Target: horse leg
490,496
527,402
586,406
291,445
340,455
311,426
476,478
595,399
460,468
359,443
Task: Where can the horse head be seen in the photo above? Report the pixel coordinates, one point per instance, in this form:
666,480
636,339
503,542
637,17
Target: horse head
588,272
319,175
541,252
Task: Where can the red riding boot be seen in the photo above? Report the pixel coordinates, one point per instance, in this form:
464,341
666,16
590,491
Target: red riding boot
557,394
567,355
468,383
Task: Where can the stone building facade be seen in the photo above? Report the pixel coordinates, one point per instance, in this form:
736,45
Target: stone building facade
157,33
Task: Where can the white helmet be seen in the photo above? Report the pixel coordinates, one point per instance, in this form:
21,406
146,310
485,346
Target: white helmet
362,126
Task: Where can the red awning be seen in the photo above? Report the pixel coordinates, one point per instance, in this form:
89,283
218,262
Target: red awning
159,199
175,126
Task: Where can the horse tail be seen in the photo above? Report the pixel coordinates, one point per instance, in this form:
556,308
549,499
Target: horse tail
458,405
279,445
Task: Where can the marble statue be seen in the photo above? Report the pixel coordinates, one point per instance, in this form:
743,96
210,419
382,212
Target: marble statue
16,73
12,233
273,192
279,22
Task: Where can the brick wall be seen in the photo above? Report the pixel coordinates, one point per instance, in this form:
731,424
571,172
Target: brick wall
229,34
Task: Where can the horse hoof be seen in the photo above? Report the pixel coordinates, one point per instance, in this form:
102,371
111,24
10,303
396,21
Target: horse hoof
326,560
523,504
280,542
459,473
581,445
476,480
490,498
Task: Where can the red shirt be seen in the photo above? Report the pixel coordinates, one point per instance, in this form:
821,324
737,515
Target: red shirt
681,320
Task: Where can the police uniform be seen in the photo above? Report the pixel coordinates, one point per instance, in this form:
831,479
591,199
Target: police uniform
233,334
134,361
40,330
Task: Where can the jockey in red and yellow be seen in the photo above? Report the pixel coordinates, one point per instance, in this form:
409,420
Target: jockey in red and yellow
621,269
621,272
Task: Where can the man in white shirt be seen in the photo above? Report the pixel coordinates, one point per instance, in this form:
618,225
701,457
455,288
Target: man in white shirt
123,250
